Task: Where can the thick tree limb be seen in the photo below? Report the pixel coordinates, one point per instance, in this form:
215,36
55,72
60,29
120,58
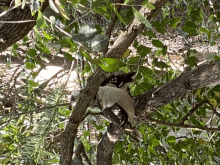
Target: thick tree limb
79,154
105,147
197,78
5,2
117,50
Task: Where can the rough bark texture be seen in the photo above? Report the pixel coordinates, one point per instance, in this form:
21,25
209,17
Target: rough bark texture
10,33
197,78
5,2
106,145
117,50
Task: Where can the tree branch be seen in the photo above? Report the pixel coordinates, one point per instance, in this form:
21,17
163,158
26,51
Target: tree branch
182,125
116,51
35,111
201,76
111,25
11,33
191,111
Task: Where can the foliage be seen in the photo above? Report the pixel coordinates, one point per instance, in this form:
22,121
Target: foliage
31,138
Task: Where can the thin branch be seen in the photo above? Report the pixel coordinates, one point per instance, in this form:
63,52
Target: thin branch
191,111
182,125
35,111
92,113
18,21
110,26
214,109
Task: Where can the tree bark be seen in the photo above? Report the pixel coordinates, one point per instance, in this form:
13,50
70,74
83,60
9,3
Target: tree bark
5,2
117,50
197,78
106,145
10,33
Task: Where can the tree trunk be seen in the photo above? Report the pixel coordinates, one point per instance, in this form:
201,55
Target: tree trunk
10,33
116,51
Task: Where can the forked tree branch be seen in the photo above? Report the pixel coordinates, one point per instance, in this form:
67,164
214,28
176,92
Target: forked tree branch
117,50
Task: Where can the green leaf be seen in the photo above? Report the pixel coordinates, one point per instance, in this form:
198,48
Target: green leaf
149,33
31,53
218,15
32,83
203,30
143,50
158,26
157,43
175,22
43,47
154,142
111,64
141,18
191,24
192,61
41,23
190,28
129,147
161,64
148,5
164,50
128,1
213,43
47,36
119,16
29,65
171,139
216,88
69,56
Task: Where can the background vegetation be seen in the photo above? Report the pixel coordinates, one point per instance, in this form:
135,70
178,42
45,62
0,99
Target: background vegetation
80,36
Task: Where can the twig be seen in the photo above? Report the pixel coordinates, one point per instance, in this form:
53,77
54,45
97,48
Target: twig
110,27
191,111
92,113
36,110
214,109
182,125
25,21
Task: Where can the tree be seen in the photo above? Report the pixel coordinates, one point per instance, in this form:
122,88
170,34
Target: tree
166,99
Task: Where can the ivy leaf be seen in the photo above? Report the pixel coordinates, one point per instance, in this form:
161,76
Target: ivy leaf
111,64
141,18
